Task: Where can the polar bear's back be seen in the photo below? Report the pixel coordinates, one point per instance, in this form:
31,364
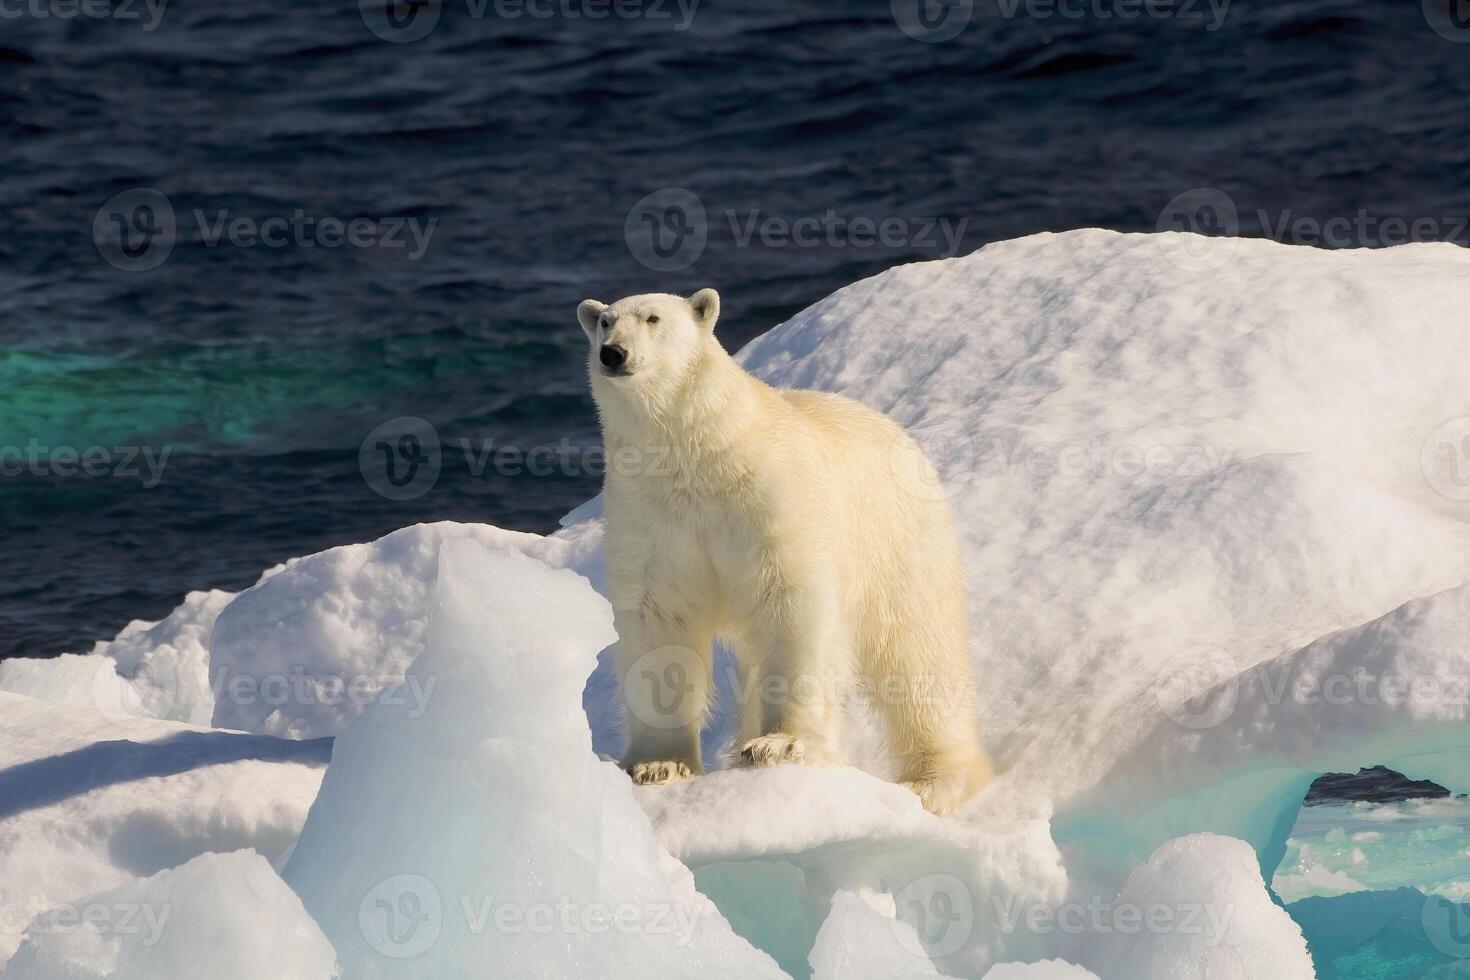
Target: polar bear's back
840,416
871,493
861,436
859,460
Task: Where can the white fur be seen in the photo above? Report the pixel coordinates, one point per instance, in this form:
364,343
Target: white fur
806,530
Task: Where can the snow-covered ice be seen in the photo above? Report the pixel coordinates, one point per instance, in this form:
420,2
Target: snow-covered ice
150,670
482,837
220,916
1217,532
89,801
343,626
1197,908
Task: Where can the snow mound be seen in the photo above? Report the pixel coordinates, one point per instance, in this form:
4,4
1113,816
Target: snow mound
1144,462
150,670
952,883
498,843
90,801
1238,757
1198,908
221,916
857,940
302,653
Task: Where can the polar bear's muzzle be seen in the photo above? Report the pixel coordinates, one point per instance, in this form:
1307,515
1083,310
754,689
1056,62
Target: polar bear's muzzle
614,360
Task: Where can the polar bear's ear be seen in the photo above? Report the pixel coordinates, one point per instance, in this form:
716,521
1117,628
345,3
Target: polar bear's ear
706,307
587,313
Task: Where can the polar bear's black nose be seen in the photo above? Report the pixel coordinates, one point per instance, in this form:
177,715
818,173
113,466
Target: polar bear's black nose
612,356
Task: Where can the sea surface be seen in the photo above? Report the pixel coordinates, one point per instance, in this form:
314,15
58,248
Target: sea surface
241,243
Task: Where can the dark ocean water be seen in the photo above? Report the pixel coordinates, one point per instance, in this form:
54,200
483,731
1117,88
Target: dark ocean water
519,143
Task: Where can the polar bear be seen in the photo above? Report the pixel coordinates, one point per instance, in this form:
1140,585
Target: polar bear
805,530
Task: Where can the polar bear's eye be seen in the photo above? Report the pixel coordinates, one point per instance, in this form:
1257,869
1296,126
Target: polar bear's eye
652,319
605,323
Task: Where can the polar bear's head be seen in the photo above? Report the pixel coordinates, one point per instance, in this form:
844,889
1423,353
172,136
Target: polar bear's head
648,341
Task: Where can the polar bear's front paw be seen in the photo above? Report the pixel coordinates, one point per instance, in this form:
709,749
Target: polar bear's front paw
655,773
773,749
